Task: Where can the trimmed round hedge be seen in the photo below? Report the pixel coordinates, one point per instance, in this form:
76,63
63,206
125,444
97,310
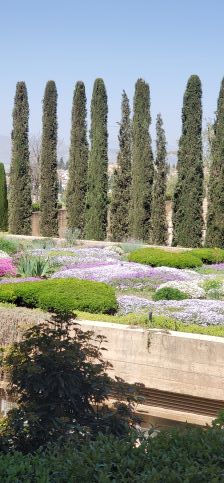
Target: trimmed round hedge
169,293
61,295
209,255
157,257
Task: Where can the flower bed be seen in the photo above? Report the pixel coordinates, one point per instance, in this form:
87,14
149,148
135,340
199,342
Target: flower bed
191,288
205,312
111,270
131,279
7,267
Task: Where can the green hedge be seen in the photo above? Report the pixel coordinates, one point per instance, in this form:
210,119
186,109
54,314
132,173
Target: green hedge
157,258
169,293
187,456
209,255
61,295
8,245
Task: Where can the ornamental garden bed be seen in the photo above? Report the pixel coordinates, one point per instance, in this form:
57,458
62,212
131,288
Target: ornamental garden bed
41,274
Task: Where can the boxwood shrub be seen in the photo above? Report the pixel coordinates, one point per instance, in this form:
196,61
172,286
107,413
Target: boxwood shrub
188,455
209,255
169,293
61,295
157,257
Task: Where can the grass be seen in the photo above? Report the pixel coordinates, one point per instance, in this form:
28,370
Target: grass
61,253
142,320
158,322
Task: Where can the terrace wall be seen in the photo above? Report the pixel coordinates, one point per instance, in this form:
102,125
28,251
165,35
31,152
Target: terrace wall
183,373
62,222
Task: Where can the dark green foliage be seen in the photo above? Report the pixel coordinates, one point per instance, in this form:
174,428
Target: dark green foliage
120,203
209,255
96,201
9,246
61,295
188,196
78,161
3,200
60,381
189,455
215,219
142,165
159,258
35,206
158,220
20,204
48,176
169,293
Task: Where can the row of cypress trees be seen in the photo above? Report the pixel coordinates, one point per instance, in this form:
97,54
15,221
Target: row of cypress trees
188,196
189,193
20,201
88,180
137,207
139,185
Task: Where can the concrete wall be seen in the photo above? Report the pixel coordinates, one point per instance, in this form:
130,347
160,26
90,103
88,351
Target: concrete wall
187,364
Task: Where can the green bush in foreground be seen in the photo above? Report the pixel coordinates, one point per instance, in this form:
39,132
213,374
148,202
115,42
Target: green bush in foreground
189,456
169,293
159,258
209,255
61,295
61,385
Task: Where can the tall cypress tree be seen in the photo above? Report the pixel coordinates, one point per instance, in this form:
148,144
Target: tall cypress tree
121,187
48,175
188,196
96,200
3,200
215,218
20,203
158,220
78,161
142,164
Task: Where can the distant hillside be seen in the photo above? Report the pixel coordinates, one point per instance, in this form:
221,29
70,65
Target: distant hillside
5,152
5,149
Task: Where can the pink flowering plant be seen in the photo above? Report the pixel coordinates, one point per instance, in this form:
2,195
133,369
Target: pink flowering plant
7,267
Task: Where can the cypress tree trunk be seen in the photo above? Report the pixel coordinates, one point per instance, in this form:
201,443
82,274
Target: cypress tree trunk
78,161
215,216
188,196
20,203
3,200
158,221
48,175
142,164
121,187
96,201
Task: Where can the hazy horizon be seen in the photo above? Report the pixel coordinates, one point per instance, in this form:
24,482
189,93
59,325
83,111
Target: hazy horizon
163,42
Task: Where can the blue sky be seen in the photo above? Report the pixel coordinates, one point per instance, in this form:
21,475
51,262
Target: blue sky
163,41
